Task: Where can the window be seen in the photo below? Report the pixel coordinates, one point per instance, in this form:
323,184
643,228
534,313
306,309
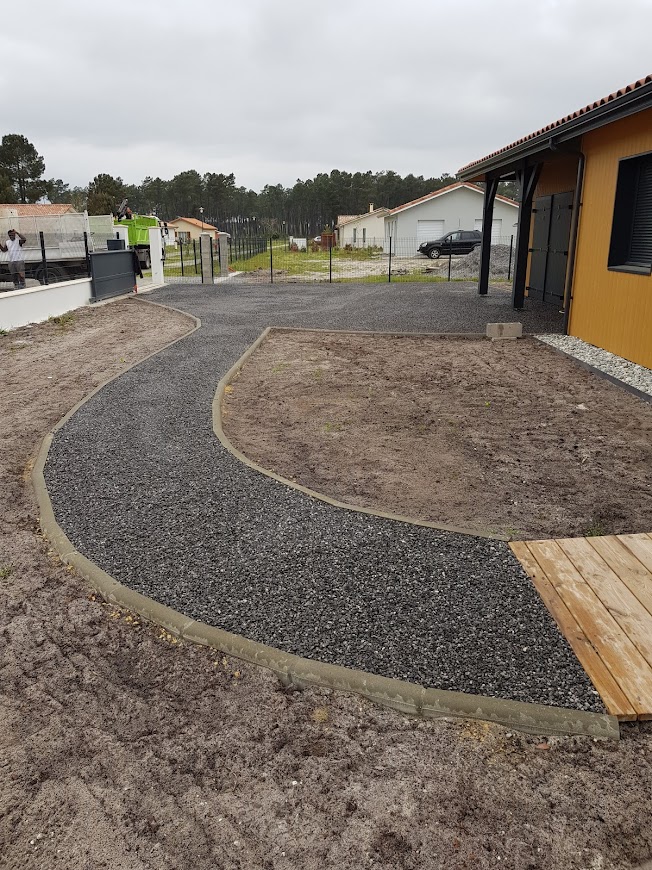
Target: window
631,231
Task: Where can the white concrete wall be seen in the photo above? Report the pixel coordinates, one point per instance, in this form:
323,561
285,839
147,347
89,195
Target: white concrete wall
459,209
36,304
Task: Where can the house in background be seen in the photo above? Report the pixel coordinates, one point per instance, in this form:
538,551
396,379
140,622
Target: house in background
189,229
363,230
455,207
584,239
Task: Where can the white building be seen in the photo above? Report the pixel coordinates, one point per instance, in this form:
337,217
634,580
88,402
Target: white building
363,230
456,207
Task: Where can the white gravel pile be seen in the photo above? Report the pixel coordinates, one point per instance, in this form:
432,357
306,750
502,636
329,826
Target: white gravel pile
623,370
470,264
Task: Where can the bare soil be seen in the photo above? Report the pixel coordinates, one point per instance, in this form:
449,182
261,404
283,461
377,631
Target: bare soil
122,749
507,438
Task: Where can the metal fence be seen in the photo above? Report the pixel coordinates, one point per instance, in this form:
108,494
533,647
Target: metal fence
298,260
183,259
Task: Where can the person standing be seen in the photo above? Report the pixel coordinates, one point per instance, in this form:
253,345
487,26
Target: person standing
13,246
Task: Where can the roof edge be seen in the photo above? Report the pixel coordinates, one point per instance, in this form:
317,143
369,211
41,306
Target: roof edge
629,100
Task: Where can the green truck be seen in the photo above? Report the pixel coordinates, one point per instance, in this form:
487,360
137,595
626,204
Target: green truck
138,226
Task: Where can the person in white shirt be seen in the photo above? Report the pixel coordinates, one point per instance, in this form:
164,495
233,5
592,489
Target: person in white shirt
13,245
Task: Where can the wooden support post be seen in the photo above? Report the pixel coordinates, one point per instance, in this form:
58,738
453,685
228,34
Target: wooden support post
491,188
527,178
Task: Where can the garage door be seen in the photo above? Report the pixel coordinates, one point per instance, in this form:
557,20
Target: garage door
496,230
428,231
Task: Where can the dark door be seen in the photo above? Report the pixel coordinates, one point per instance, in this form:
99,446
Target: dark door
549,252
539,250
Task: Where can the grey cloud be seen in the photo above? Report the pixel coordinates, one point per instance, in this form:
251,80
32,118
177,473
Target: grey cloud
416,86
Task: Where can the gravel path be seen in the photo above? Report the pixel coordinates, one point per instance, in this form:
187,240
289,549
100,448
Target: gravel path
143,488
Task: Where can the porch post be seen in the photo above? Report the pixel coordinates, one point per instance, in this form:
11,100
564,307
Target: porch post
490,190
527,178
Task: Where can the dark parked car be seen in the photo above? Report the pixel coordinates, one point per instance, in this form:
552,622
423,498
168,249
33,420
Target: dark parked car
457,242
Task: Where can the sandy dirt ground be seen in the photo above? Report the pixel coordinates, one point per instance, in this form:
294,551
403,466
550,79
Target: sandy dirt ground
122,749
509,438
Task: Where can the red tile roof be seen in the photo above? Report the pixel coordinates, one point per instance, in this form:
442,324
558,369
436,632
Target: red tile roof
194,222
349,218
447,189
33,208
549,127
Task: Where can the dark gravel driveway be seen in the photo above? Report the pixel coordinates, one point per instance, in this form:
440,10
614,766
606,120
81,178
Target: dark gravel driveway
143,488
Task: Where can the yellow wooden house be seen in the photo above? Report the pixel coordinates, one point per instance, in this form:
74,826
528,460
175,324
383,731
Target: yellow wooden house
584,240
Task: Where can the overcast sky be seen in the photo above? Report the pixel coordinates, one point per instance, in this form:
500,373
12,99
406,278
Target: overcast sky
275,91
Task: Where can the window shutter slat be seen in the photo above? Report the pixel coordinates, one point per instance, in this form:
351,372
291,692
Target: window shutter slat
640,248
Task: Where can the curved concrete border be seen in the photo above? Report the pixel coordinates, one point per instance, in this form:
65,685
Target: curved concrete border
219,431
291,669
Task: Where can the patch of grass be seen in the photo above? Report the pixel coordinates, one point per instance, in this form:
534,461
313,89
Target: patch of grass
333,427
595,530
318,374
412,278
6,571
279,367
63,320
513,534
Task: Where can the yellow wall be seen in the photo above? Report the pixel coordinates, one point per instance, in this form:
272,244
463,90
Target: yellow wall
558,176
612,310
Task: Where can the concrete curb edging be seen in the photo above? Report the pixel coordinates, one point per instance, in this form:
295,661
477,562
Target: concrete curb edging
644,397
295,670
291,669
224,440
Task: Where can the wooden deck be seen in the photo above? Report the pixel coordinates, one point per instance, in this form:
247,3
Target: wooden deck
599,591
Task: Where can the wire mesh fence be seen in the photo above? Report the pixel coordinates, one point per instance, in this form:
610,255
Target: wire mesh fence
278,260
183,260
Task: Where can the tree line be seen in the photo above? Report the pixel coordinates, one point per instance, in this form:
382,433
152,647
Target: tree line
309,207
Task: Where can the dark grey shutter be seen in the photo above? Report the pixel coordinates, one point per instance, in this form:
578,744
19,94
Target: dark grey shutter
640,247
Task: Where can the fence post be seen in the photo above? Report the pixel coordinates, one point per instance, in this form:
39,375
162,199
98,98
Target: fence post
389,270
45,262
194,253
181,252
156,255
509,268
450,257
330,261
205,258
271,262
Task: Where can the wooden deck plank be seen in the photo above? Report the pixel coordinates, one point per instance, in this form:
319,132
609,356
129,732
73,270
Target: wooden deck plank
625,564
614,698
621,603
627,665
640,546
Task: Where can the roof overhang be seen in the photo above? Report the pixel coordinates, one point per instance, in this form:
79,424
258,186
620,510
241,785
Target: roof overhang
558,139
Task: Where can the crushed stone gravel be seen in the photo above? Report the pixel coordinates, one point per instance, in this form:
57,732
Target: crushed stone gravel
143,488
